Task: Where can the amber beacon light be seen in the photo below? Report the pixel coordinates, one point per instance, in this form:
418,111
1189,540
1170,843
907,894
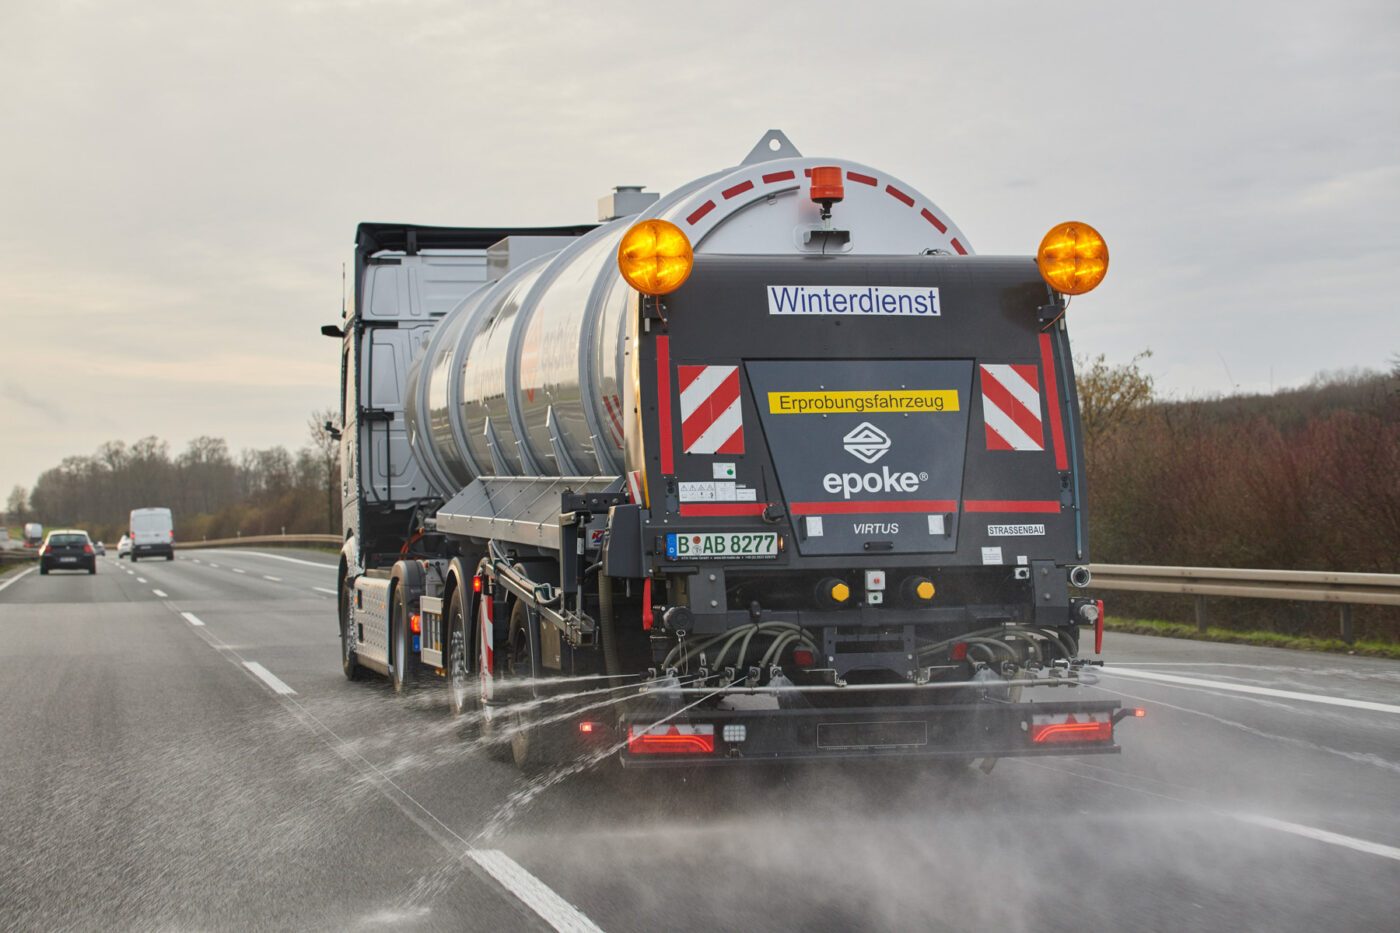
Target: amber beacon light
1073,258
655,257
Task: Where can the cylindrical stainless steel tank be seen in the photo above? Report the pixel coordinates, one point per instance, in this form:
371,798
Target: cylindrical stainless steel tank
525,376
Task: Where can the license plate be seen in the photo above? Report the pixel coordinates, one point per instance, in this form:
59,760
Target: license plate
729,545
68,560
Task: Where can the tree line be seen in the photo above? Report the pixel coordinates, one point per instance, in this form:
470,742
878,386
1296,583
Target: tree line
212,493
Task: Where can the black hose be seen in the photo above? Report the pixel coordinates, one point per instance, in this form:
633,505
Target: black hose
607,622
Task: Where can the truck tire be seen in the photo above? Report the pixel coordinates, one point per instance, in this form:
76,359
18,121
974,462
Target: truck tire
463,691
349,663
534,746
404,667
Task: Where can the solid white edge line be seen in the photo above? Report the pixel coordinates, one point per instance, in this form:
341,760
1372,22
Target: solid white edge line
15,579
161,593
1321,835
322,589
273,579
1256,691
269,678
192,619
533,893
290,560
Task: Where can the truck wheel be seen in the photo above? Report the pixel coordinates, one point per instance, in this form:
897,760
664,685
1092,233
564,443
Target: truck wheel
349,663
534,746
404,669
463,691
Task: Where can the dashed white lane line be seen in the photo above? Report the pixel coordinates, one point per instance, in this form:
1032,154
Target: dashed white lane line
239,570
322,589
269,678
15,579
140,579
214,565
1253,690
161,593
291,560
273,579
193,619
196,560
1322,835
534,893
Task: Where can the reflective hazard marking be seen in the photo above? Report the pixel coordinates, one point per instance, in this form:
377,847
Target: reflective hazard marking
712,420
1011,407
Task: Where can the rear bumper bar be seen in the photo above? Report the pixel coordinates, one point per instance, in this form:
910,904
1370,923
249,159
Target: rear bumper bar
979,730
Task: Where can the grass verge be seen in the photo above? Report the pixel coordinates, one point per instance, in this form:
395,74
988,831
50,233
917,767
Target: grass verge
1373,649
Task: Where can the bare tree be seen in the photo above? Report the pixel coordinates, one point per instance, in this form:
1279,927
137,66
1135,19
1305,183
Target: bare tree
1110,397
326,448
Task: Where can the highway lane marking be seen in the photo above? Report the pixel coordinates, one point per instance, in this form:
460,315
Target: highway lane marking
495,865
15,579
1321,835
239,570
214,565
533,893
269,678
273,579
1178,680
292,560
161,593
322,589
1266,822
140,579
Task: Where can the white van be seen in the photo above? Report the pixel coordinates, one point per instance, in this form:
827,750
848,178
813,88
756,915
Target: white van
152,534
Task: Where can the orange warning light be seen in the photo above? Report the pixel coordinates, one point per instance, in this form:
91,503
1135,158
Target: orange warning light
827,188
655,257
1073,258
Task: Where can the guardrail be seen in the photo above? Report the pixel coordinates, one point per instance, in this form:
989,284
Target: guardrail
256,540
1316,586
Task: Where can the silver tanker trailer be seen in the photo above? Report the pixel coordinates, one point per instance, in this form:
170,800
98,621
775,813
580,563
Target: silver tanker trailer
772,467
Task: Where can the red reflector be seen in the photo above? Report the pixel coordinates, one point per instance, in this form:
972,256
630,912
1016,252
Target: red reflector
415,623
803,657
648,614
827,184
958,652
478,584
585,727
671,740
1053,733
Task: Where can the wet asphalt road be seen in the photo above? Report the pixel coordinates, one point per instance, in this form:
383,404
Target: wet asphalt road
152,776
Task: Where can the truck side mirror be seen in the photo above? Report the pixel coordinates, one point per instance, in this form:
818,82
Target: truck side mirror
330,330
332,430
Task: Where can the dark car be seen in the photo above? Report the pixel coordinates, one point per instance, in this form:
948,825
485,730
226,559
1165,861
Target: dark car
67,550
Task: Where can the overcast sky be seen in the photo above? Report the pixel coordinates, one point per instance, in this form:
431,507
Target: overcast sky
180,181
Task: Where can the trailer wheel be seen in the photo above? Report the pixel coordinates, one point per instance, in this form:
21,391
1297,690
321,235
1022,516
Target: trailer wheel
463,693
349,662
534,745
404,669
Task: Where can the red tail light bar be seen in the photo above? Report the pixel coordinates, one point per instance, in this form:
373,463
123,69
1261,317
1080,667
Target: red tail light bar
682,739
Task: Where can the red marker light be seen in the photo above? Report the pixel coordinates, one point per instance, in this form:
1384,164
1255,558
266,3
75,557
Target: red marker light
1139,712
585,727
1070,732
803,657
958,652
415,623
478,583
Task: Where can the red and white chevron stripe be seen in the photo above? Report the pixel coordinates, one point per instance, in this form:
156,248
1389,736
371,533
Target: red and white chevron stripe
1011,407
712,415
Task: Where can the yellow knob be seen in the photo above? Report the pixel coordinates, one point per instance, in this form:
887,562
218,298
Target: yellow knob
925,590
840,592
